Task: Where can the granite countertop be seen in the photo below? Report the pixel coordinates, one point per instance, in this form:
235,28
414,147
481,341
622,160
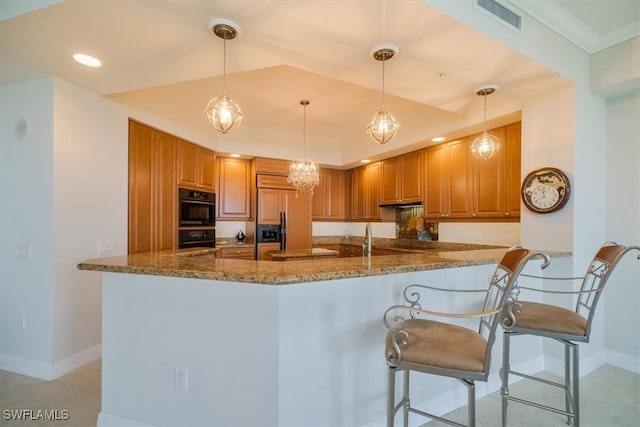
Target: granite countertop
203,264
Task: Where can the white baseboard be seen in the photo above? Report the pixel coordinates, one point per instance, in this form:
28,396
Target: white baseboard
623,361
76,360
49,371
108,420
587,364
29,367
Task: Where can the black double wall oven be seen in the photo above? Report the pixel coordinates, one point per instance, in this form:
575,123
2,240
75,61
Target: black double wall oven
196,218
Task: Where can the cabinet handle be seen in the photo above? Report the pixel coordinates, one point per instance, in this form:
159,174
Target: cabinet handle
473,214
506,214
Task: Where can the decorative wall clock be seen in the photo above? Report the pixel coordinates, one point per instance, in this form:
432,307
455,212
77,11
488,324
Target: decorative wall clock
545,190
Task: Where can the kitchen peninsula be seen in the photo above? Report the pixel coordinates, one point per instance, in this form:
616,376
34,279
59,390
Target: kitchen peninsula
192,339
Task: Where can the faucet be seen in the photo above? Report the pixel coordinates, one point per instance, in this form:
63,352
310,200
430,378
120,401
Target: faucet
366,245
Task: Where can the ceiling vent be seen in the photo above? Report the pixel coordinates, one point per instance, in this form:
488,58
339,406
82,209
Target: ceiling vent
500,13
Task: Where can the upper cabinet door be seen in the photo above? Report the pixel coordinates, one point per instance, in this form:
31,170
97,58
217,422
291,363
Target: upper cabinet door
460,179
390,185
205,167
187,160
335,189
234,188
329,196
411,177
195,166
401,179
435,203
488,181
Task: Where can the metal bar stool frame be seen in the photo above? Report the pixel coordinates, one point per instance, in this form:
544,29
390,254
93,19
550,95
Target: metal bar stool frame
404,333
560,324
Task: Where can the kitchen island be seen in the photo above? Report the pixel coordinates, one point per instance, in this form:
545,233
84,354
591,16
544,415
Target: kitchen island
266,343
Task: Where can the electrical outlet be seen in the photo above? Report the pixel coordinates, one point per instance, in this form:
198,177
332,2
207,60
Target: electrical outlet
182,379
478,236
106,248
22,251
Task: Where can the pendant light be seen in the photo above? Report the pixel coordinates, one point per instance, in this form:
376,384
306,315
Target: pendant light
304,173
222,112
384,126
486,145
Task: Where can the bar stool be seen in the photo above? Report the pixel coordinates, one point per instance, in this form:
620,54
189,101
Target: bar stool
567,326
423,345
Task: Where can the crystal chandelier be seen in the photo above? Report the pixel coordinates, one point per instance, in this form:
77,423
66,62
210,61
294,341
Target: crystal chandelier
304,173
486,145
222,112
384,126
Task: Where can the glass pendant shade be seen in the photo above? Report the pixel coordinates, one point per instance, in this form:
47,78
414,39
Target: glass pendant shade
304,173
383,127
486,145
223,113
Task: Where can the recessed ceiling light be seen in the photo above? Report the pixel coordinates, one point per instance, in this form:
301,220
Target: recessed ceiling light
87,60
438,139
365,161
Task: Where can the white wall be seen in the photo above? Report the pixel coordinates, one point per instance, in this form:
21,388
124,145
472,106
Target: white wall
26,173
90,164
622,296
548,140
64,187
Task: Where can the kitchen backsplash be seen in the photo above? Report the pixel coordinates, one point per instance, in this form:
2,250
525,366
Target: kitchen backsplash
411,225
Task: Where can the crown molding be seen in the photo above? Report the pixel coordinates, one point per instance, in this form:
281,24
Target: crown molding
560,20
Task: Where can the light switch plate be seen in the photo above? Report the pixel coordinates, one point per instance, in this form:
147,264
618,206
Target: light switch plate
22,251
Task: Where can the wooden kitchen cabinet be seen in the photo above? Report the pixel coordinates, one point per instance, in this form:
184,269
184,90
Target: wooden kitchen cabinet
489,181
152,207
513,159
265,165
365,192
233,188
458,186
329,196
401,179
269,206
237,253
449,181
195,166
263,248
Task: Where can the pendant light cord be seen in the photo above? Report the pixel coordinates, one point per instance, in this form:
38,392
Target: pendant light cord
304,129
224,64
485,112
383,61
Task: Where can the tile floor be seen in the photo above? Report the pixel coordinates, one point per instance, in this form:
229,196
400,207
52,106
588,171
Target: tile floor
610,398
78,392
